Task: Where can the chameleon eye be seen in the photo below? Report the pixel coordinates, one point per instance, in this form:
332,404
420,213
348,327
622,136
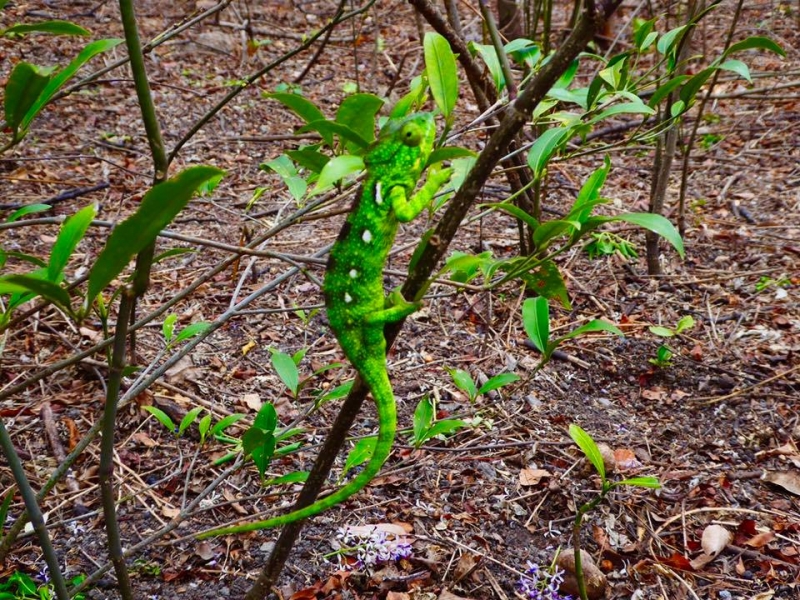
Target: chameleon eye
410,135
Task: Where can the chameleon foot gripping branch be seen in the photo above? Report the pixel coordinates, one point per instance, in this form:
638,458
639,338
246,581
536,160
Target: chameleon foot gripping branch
353,287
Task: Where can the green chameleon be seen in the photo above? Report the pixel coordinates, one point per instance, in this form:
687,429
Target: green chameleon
353,286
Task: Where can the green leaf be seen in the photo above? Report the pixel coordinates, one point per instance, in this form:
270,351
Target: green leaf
303,108
336,169
267,417
440,65
568,75
738,67
283,166
172,252
498,381
168,327
693,85
24,284
668,41
664,90
358,113
633,108
340,391
648,482
252,439
287,433
414,99
543,149
190,418
536,321
158,207
552,230
489,56
309,157
448,153
294,477
684,323
444,427
329,128
546,281
589,448
360,454
161,417
262,453
226,422
64,75
656,224
192,330
203,427
595,325
661,331
28,210
755,43
464,382
516,212
71,233
23,87
287,370
423,419
54,27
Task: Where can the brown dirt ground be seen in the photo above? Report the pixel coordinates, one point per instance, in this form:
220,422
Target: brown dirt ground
709,427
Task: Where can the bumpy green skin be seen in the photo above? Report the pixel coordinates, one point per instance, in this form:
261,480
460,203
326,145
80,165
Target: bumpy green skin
353,286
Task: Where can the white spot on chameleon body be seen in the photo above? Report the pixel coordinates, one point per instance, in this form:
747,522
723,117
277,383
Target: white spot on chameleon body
347,298
378,196
367,236
353,274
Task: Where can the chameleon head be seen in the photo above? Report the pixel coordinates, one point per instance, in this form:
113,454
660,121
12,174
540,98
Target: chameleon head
405,143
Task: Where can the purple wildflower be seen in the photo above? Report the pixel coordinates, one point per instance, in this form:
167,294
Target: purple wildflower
542,584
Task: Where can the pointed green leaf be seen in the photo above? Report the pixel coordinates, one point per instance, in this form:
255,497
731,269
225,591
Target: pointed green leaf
337,169
464,382
158,207
448,153
546,281
648,482
661,331
161,417
544,147
440,65
516,212
226,422
536,321
489,56
203,427
665,89
423,418
589,448
656,224
336,393
24,284
738,67
192,330
303,108
360,454
267,417
189,419
64,75
357,112
309,157
23,87
444,427
168,327
294,477
329,128
498,381
631,108
668,41
28,210
287,370
70,234
55,27
756,43
595,325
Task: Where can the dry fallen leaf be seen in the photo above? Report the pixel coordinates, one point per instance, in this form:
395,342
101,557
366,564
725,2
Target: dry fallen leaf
170,511
626,460
715,539
532,476
788,480
252,401
466,565
205,550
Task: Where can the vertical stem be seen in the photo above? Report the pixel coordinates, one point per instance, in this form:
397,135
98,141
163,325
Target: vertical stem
106,470
32,506
144,260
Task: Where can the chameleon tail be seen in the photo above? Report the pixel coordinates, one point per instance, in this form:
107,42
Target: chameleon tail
375,376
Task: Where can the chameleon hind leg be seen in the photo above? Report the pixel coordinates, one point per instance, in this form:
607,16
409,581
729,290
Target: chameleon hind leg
397,308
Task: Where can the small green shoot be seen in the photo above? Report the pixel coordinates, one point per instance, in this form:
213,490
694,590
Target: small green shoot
427,427
663,358
592,453
685,323
605,243
464,382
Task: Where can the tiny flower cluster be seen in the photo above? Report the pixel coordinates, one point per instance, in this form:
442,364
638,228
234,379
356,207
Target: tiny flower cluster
541,584
370,548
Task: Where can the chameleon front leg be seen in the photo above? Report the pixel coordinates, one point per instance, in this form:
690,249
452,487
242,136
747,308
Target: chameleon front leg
406,210
396,308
